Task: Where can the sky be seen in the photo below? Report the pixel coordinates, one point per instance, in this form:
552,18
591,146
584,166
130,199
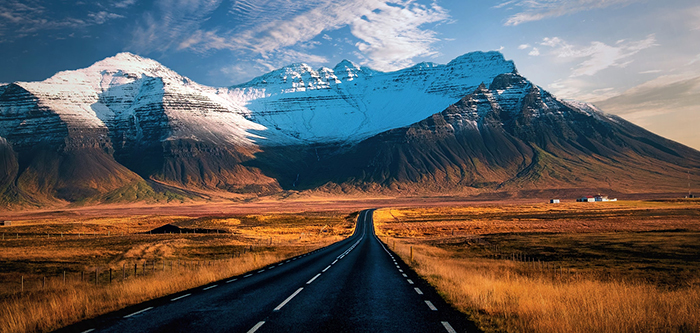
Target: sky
639,59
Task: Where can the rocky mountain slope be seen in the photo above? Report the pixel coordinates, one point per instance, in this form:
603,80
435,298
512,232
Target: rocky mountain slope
128,128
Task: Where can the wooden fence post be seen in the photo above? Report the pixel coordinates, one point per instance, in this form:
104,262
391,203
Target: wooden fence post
411,253
110,275
22,282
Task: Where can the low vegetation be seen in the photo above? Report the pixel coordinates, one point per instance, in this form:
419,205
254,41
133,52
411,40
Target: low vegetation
605,267
56,272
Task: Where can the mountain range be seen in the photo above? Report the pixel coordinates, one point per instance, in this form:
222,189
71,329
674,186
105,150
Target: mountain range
128,128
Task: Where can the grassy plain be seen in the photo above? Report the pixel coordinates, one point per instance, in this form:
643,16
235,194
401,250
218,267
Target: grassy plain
38,252
574,267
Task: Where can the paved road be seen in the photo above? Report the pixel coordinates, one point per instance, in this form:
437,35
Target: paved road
356,285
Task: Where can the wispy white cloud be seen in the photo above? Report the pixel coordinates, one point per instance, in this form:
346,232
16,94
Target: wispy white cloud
534,52
523,46
22,18
389,33
598,56
535,10
124,3
103,16
173,24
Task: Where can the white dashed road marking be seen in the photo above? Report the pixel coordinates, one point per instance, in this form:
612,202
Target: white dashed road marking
181,297
314,278
256,327
325,269
409,281
210,287
88,331
430,305
404,275
420,292
288,299
138,312
448,327
232,280
249,275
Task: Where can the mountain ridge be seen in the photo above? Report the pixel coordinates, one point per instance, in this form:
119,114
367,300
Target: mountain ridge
127,123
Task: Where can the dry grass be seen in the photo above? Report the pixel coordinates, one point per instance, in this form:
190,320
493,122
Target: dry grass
504,295
174,262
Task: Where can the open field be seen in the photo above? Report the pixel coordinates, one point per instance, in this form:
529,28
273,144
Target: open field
588,267
112,262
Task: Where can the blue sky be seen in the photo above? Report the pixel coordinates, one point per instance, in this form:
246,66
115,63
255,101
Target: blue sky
636,58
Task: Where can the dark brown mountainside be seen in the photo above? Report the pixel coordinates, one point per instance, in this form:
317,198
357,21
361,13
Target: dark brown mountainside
510,136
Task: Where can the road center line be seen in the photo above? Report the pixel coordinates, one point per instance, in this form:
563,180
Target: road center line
409,281
404,275
325,269
256,327
232,280
334,261
420,292
448,327
288,299
88,331
314,278
430,305
138,312
249,275
181,297
210,287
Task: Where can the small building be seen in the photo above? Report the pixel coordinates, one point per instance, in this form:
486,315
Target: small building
595,198
554,201
6,223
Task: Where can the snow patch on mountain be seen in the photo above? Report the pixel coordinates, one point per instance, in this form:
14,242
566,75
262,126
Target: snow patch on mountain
300,105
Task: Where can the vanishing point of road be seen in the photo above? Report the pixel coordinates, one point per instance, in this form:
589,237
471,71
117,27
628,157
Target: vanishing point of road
355,285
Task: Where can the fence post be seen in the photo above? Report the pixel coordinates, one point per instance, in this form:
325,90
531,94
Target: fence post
110,275
22,282
64,277
135,264
411,253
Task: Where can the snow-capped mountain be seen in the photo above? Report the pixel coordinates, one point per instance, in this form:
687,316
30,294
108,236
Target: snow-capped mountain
299,105
128,128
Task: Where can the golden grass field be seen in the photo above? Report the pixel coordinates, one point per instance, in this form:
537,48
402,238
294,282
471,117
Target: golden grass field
37,249
580,267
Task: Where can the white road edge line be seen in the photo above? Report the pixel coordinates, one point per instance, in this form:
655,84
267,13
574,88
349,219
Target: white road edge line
137,312
178,298
430,305
448,327
314,278
288,299
256,327
210,287
325,269
232,280
420,292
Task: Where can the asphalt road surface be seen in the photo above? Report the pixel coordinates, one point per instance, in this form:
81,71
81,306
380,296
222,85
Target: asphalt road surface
356,285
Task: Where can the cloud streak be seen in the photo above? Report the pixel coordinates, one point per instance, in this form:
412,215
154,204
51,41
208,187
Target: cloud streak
535,10
598,56
389,33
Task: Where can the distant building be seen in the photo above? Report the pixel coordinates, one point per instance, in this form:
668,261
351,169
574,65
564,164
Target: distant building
595,198
554,201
